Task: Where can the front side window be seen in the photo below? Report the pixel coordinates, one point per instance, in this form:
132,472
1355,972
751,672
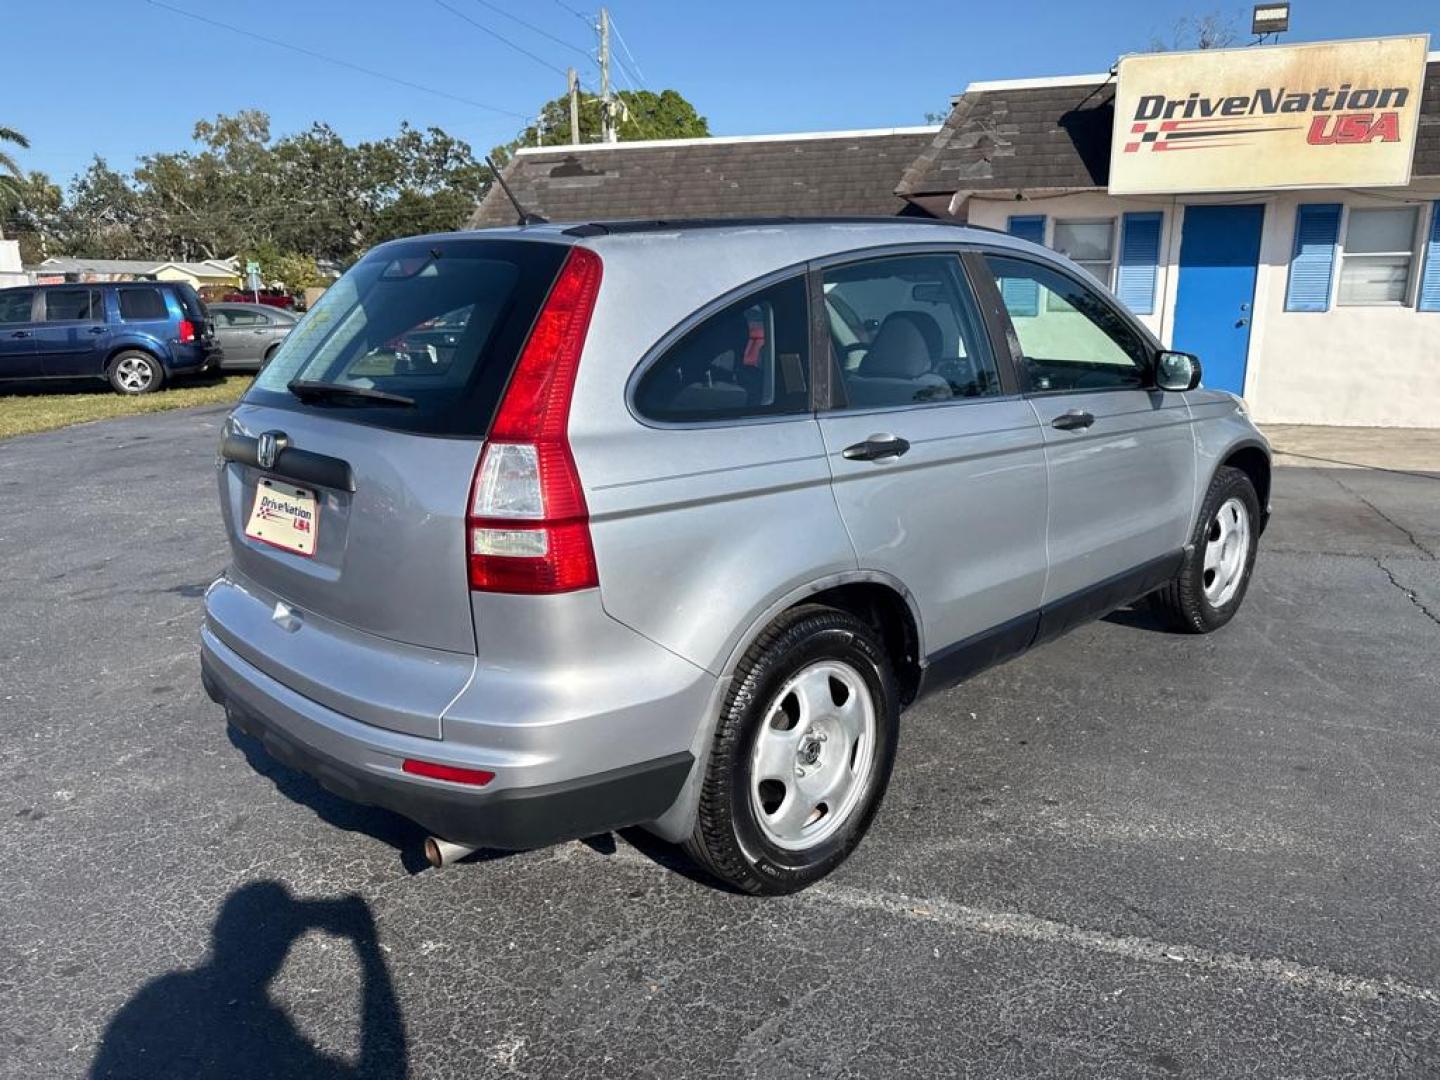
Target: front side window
1091,244
749,359
1378,253
15,306
1070,337
138,305
73,305
903,331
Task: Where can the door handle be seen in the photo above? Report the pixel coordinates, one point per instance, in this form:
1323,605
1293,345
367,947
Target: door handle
22,333
260,331
1073,420
877,448
1241,322
97,329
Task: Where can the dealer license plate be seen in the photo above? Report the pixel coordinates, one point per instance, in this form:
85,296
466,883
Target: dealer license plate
285,516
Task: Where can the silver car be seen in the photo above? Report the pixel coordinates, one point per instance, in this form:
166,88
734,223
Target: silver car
249,333
545,531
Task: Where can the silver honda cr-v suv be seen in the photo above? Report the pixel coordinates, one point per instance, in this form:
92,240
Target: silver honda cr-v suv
545,531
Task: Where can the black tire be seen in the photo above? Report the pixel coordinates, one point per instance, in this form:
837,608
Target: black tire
1183,603
728,840
123,379
265,360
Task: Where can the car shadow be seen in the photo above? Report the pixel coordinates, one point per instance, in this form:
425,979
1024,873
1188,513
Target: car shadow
390,828
1138,616
663,854
219,1020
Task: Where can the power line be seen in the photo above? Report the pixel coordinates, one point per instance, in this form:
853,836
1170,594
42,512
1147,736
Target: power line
621,38
531,26
334,60
588,20
502,38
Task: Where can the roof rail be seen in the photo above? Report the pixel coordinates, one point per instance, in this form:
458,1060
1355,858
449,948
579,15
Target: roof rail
643,225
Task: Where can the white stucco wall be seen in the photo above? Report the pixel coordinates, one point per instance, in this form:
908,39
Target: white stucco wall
1366,366
11,272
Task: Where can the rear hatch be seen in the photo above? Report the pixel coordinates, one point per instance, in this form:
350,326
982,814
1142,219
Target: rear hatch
196,311
375,409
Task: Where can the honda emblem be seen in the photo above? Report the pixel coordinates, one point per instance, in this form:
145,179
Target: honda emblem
268,448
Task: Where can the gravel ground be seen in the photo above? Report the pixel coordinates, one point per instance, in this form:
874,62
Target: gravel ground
1125,854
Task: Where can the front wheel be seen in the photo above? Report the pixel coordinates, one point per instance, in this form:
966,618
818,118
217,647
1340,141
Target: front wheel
136,373
802,753
1211,584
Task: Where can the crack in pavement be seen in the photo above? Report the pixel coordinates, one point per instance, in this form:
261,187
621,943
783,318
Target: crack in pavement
1388,519
1410,594
1005,924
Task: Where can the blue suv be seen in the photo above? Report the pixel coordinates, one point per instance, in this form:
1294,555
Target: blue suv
137,335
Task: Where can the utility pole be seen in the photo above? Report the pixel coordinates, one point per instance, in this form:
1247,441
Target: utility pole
607,107
574,80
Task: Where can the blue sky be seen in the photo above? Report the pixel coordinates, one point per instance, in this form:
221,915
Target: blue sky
125,77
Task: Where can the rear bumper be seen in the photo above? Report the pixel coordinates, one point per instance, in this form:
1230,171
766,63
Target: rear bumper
195,359
362,763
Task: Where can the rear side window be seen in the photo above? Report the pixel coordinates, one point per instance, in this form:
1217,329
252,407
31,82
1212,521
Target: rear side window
747,360
439,324
142,304
15,306
237,317
74,305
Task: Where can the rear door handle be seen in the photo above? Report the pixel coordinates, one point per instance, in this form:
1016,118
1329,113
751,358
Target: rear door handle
1073,420
97,329
21,333
877,448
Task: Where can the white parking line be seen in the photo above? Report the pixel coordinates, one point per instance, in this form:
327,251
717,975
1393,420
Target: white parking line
1006,924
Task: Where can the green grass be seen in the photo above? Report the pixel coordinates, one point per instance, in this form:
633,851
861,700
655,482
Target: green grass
26,412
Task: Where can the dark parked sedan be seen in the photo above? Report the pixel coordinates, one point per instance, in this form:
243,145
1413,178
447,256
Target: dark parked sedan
249,333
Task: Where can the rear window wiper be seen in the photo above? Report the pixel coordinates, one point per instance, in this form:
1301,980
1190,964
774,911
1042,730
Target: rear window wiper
307,390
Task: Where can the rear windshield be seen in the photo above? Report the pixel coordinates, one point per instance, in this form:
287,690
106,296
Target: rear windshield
439,324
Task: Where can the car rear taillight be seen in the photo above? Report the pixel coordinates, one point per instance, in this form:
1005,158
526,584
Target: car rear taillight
187,331
452,773
528,527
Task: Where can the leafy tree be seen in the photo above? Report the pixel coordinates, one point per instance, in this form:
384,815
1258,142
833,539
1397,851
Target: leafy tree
289,270
309,195
10,176
644,115
38,218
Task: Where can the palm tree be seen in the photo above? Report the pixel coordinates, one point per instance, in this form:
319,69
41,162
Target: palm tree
10,175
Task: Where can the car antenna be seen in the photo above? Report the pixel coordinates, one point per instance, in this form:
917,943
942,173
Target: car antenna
525,219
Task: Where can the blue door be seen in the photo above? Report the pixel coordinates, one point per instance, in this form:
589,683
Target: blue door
1219,254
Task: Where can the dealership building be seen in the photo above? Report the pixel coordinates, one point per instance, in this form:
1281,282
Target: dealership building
1275,210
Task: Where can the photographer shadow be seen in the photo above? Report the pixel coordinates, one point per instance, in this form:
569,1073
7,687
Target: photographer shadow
218,1020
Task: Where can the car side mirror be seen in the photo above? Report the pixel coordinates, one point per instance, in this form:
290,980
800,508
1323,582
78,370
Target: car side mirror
1177,370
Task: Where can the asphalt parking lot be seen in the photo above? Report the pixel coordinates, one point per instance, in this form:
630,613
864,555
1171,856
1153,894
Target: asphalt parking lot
1126,854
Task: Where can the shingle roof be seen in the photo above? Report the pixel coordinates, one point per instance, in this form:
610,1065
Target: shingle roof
61,264
1057,136
811,174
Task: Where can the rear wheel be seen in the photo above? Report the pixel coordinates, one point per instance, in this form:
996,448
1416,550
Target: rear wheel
136,372
1212,582
802,753
269,355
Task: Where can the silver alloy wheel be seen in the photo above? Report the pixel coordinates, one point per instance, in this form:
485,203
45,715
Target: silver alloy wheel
810,767
134,374
1227,549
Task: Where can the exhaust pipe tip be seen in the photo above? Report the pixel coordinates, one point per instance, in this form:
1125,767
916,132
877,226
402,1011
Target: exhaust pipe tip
440,853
